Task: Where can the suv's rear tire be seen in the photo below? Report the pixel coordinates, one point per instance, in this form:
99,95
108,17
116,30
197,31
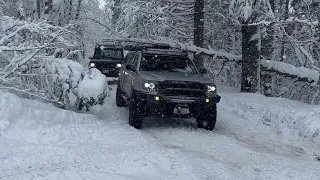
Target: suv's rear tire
207,119
136,110
120,102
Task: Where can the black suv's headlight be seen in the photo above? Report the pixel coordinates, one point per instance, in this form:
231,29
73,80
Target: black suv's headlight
150,86
211,89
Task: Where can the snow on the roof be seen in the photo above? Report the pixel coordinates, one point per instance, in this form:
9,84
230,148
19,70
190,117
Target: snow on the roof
283,67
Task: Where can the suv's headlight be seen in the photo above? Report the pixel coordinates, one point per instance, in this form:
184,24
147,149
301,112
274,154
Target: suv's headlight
119,65
150,86
211,89
92,65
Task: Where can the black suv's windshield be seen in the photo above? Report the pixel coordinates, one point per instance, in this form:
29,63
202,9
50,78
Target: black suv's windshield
102,53
167,64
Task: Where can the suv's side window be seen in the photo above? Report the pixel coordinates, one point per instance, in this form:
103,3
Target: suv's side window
127,59
135,60
132,59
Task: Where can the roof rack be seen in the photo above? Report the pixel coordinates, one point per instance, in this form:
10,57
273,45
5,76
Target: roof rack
172,52
131,45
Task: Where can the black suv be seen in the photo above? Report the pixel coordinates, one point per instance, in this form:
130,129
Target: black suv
166,83
107,58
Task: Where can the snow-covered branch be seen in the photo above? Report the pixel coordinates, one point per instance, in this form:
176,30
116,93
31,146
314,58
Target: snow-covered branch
302,73
190,48
28,48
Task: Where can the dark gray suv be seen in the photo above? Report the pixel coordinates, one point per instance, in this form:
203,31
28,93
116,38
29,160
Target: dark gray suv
166,83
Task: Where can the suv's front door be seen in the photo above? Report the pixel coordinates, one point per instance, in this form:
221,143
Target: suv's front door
130,72
124,73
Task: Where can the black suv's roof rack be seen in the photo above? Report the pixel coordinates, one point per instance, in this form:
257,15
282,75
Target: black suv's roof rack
131,45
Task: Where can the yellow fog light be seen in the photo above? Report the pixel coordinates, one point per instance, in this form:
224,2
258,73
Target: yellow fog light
207,100
157,98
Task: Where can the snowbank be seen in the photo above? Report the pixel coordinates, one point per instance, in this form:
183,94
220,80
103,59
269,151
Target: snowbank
286,68
34,121
40,141
288,119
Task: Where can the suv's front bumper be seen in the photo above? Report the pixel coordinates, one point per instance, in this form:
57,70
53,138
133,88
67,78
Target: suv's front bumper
165,105
111,72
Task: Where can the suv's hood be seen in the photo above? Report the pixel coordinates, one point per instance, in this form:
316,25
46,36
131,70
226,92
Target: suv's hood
174,76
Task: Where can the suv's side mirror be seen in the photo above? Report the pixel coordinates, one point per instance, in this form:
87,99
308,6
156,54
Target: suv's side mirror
130,67
203,71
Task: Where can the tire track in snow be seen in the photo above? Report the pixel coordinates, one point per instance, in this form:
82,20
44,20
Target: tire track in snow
230,118
231,169
178,163
223,127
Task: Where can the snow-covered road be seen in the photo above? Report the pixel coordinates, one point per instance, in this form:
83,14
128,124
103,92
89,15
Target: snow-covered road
255,138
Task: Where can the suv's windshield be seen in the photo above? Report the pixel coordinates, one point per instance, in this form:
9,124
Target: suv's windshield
167,64
100,53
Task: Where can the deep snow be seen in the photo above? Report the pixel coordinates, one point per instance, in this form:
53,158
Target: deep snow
255,138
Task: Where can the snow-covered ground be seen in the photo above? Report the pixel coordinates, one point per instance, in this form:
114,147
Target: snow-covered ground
255,138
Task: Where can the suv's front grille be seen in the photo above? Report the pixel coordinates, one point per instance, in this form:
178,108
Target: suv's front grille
105,66
181,88
182,92
181,84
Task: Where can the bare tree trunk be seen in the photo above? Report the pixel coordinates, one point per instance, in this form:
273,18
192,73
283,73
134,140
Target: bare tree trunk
250,57
70,10
267,51
267,41
48,7
39,8
116,11
78,10
286,16
199,29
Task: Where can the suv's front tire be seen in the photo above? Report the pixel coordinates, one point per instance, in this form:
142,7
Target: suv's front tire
136,110
207,119
120,102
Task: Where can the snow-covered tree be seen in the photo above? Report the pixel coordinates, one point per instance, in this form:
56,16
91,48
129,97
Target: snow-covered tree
38,53
250,14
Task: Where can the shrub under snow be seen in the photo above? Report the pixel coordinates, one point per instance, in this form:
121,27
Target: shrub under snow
92,89
30,50
64,77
